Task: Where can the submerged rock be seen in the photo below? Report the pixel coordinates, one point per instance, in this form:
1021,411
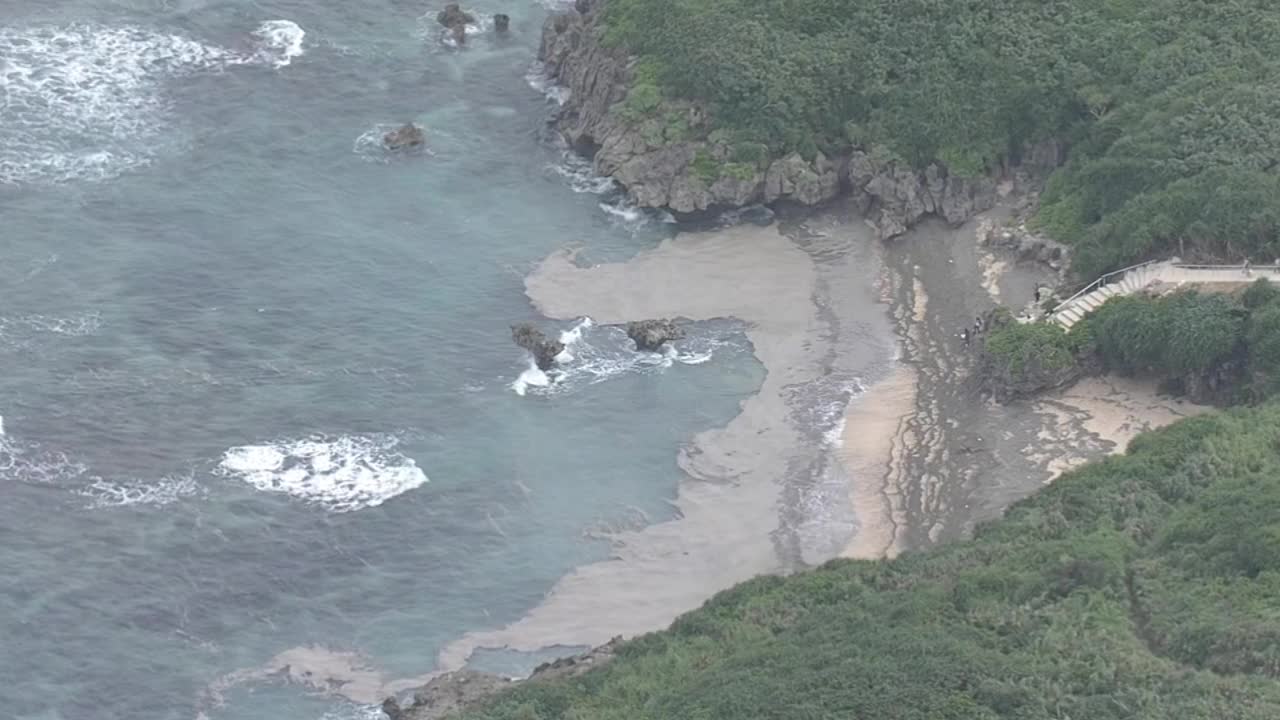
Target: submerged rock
453,16
405,137
543,349
391,708
651,335
451,693
501,22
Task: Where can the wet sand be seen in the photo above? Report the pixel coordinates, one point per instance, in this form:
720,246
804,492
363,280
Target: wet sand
763,493
929,456
921,457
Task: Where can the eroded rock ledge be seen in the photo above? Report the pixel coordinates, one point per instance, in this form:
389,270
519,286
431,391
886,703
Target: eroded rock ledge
456,691
669,158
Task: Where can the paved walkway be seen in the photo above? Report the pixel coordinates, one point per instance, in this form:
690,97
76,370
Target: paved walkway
1142,277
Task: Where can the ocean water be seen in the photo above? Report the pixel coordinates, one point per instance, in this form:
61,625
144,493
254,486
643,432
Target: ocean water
257,388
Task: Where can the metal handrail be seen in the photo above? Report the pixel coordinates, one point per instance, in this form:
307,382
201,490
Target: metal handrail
1188,266
1099,282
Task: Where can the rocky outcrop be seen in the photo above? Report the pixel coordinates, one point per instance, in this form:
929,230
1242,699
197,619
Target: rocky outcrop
666,159
651,335
543,349
1008,382
666,154
893,197
1026,245
405,137
501,22
456,691
453,16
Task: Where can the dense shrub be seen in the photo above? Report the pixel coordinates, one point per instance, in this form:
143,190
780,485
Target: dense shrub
1182,333
1171,106
1142,586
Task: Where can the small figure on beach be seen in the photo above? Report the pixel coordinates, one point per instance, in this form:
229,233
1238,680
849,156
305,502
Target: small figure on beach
1247,268
977,324
964,336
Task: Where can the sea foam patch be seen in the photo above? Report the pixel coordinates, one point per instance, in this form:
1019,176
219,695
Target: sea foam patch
581,177
86,102
340,474
106,494
595,353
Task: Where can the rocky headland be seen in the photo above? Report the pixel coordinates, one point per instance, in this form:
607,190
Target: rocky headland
668,154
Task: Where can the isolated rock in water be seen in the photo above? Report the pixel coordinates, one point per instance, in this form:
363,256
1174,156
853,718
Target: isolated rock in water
404,137
650,335
530,338
391,708
501,22
453,16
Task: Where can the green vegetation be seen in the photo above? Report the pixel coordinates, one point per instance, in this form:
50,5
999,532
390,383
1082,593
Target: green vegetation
1170,107
1179,336
1142,586
1023,347
1182,333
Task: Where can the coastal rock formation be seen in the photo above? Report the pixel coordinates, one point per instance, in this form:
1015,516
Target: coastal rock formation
893,197
651,335
544,349
405,137
669,156
1027,246
1007,383
455,691
453,16
501,22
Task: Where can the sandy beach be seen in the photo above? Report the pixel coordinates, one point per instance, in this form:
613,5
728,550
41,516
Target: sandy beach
865,439
928,457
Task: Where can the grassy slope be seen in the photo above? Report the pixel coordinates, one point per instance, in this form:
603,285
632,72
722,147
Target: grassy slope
1142,586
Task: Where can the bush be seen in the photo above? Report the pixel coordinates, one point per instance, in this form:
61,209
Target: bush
1020,346
1260,293
1179,334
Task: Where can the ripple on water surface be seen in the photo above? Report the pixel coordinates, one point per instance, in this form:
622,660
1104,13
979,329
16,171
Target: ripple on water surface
86,102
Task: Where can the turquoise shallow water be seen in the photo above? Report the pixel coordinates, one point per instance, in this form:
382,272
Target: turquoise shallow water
256,387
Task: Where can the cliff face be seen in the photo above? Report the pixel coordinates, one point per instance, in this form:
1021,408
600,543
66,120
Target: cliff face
669,157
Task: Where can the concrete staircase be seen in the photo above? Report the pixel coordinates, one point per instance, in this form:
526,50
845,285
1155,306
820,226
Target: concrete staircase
1140,277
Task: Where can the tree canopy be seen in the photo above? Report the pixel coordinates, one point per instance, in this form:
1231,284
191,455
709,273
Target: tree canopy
1171,108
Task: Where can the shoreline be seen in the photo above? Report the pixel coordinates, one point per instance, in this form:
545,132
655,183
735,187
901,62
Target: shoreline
746,505
919,458
929,458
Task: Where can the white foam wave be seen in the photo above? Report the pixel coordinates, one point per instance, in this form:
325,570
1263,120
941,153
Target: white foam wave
538,80
369,145
106,494
580,175
340,474
834,436
29,462
86,102
821,405
582,178
594,354
281,41
430,28
532,377
356,712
